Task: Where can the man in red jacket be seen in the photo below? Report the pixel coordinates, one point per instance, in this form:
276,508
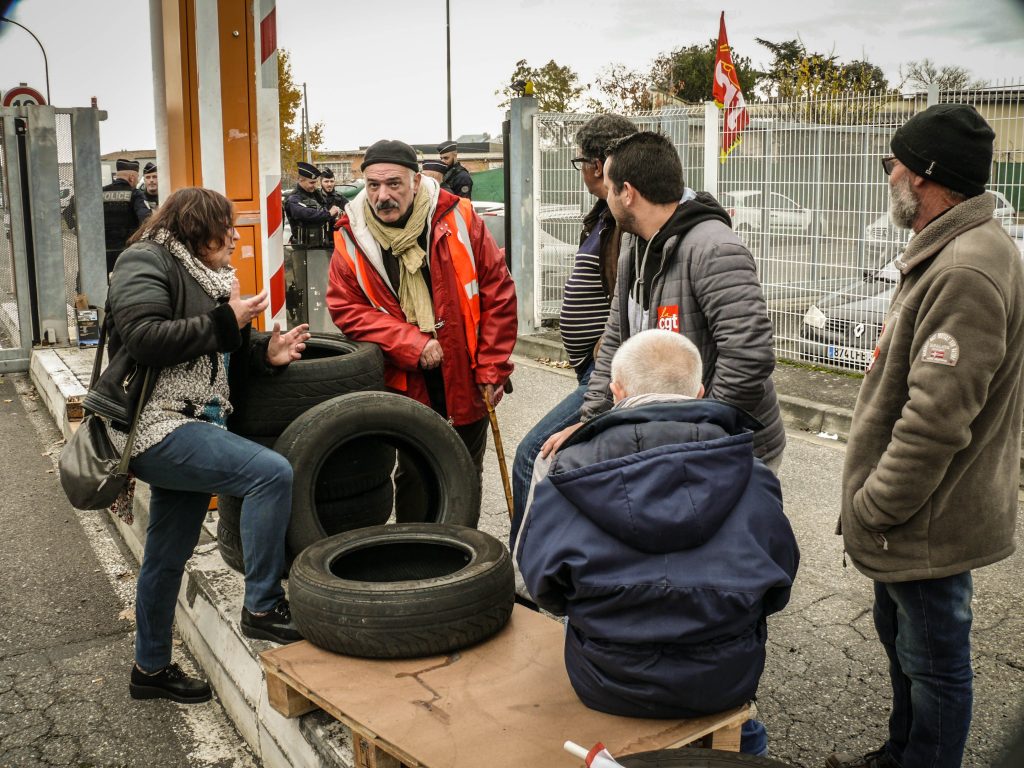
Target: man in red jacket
416,272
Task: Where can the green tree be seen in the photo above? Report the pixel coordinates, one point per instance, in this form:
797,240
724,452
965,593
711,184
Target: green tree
290,108
920,74
688,73
557,87
796,73
815,87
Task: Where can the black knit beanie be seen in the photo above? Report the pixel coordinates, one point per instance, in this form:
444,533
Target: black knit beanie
391,151
951,144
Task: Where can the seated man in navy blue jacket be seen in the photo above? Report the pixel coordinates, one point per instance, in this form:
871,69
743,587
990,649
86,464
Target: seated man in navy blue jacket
663,540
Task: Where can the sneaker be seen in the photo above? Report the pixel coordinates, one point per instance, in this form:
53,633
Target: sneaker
169,683
877,759
275,625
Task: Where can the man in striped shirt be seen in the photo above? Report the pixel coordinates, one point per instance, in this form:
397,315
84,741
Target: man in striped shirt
587,297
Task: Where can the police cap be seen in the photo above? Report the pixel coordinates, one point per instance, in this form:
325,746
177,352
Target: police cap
308,171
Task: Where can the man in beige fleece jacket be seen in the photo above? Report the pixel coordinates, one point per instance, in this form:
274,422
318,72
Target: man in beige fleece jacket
933,461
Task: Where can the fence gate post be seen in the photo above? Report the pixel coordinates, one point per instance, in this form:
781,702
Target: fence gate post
92,257
521,206
711,148
51,291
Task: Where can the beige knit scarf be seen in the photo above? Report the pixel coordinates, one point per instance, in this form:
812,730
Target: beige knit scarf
413,294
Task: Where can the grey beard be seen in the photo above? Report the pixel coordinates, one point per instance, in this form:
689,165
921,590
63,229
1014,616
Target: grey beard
903,204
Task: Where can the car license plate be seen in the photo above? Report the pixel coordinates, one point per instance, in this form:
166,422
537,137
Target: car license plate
849,355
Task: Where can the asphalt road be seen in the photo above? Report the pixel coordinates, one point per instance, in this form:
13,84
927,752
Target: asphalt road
65,649
825,685
67,626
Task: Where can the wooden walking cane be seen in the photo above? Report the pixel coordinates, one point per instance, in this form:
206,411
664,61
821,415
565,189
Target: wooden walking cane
500,450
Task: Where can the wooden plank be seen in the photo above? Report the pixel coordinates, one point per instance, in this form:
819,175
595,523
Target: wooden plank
284,698
718,729
727,739
504,702
367,754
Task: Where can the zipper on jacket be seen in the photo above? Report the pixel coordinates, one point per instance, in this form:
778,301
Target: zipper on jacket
882,542
129,379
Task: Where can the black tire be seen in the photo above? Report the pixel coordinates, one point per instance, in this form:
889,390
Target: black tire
451,479
354,469
402,591
373,507
229,535
697,758
331,365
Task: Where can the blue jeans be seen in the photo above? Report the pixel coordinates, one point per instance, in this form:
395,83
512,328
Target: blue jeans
754,738
925,627
183,470
558,418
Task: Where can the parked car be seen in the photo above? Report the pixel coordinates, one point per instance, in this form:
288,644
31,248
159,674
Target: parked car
882,237
487,206
842,327
785,215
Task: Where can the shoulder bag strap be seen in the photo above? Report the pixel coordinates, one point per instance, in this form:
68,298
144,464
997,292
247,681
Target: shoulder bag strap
97,362
126,457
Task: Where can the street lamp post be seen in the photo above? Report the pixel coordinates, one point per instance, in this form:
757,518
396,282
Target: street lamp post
46,64
448,38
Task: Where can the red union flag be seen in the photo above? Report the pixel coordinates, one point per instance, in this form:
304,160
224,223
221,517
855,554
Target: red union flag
728,94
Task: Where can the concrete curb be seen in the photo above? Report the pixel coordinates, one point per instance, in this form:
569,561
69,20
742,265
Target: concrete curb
808,416
209,608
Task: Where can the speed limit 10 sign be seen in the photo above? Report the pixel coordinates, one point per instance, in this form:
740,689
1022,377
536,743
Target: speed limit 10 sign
23,96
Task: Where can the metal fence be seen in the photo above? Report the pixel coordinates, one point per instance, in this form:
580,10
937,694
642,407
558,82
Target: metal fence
68,218
805,191
10,328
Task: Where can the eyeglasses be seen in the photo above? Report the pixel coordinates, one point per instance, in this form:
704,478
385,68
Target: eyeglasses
579,162
888,163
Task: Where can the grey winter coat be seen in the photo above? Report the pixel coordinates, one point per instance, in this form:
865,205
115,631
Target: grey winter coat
708,276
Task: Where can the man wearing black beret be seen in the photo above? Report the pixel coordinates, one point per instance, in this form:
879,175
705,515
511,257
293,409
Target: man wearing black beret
150,186
124,209
456,178
416,272
933,460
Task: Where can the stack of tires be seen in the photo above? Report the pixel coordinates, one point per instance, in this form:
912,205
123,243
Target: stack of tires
357,586
357,488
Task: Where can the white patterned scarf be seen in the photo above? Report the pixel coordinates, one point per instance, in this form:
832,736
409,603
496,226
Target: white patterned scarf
196,390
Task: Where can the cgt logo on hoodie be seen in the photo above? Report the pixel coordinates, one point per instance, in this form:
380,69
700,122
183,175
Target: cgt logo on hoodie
668,317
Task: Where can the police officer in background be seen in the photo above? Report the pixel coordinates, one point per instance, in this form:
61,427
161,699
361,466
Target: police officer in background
311,219
150,186
329,197
124,209
456,179
308,218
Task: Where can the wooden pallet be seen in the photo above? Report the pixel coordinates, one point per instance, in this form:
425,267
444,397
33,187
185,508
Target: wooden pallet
504,702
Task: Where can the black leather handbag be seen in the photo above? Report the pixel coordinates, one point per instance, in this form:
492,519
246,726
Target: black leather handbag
92,471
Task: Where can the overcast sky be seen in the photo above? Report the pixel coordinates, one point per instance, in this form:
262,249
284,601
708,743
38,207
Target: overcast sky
377,70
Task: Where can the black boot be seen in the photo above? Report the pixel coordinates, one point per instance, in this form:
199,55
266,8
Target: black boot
169,683
878,759
275,625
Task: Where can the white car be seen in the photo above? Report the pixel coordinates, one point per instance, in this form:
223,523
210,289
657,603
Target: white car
785,215
881,236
